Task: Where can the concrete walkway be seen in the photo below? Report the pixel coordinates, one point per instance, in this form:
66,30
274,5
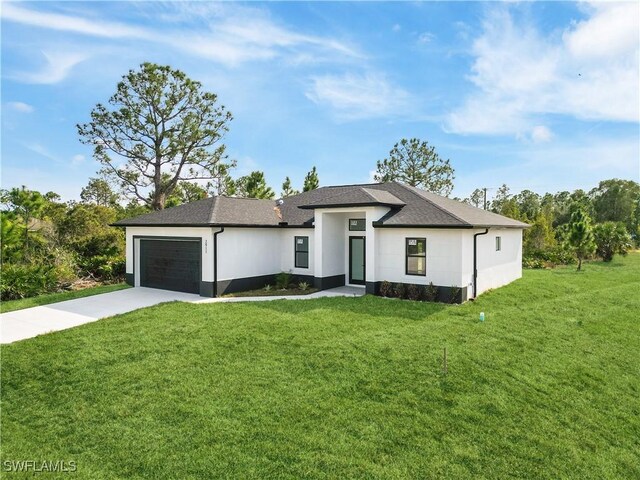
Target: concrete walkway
31,322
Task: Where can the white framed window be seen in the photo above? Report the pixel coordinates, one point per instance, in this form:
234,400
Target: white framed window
498,244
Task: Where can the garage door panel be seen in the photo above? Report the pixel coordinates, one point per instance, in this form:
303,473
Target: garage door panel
170,265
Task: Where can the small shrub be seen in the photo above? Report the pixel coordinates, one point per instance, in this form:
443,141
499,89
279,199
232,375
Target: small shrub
267,288
430,292
532,262
283,280
399,290
386,289
454,292
304,286
413,292
22,281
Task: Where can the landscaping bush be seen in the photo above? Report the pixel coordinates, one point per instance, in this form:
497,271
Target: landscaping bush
304,286
454,294
386,289
22,281
283,280
413,292
430,292
399,290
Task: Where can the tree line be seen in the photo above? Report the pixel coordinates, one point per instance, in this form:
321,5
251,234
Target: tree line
571,226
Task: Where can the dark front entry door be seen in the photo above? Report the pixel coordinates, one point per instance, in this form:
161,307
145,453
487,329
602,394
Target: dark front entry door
170,265
357,260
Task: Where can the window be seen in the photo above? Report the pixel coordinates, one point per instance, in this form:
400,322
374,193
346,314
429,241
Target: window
357,224
416,256
302,252
498,244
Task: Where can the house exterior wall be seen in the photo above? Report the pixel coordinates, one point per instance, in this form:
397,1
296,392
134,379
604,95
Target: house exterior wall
260,253
248,252
444,263
287,250
497,268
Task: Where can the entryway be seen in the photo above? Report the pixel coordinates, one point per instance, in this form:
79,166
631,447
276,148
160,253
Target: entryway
357,249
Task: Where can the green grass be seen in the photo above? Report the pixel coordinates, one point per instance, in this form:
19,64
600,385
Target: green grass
11,305
547,387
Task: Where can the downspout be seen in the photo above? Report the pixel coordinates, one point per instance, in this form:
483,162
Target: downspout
215,261
475,261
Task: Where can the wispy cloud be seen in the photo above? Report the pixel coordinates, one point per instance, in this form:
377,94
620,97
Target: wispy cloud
57,67
20,107
425,37
77,159
357,96
233,35
69,23
591,72
41,150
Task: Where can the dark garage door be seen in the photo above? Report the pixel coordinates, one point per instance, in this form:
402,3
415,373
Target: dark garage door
170,265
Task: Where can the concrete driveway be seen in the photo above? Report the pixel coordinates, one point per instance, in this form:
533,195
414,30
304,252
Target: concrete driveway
34,321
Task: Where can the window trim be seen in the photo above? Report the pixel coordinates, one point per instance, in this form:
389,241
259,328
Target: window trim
498,243
407,256
296,251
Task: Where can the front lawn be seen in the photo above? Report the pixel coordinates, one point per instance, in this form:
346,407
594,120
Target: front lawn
547,387
11,305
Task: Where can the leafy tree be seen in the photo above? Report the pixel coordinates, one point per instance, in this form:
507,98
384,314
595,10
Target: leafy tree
287,189
311,180
580,234
223,184
529,204
185,192
540,236
615,200
416,163
476,198
11,240
254,185
505,204
27,205
99,192
611,238
158,122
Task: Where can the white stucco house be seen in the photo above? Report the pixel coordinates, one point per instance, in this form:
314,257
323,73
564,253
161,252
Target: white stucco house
329,237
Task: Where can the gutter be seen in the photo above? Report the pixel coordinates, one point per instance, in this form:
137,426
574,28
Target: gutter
475,261
215,261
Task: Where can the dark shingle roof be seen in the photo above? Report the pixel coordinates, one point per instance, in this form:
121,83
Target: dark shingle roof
409,206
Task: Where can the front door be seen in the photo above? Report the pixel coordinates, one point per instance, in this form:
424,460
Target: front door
357,260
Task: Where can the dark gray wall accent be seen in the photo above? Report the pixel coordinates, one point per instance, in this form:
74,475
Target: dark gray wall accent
322,283
371,288
206,289
254,283
444,293
129,279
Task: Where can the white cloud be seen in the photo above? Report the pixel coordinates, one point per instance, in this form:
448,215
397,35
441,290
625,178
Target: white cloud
396,27
355,96
55,21
77,159
230,36
521,74
41,150
57,68
21,107
426,37
541,134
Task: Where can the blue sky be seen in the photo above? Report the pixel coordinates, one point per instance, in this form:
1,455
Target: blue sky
538,95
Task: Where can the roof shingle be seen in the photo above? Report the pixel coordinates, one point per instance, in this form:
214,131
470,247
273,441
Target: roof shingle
409,206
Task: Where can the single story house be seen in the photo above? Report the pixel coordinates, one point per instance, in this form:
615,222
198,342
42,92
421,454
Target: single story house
329,237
